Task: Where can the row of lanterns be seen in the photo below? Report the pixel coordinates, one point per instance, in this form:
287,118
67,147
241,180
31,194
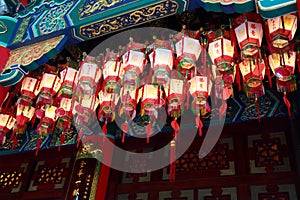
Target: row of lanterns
113,83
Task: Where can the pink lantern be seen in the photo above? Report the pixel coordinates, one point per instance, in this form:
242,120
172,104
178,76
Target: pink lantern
282,30
65,113
249,33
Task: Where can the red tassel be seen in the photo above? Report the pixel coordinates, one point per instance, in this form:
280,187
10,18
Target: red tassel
14,141
222,109
149,132
199,124
62,140
175,126
172,160
288,104
104,128
268,70
38,145
79,135
238,77
125,129
298,56
257,109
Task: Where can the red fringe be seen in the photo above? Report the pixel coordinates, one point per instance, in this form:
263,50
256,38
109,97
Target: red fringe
175,126
268,70
172,161
79,135
62,140
222,109
238,77
38,145
149,132
199,124
125,129
288,104
298,56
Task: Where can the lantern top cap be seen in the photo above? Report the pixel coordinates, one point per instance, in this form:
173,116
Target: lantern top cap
254,17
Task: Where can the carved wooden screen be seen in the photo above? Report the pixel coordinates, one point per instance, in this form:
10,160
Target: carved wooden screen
251,161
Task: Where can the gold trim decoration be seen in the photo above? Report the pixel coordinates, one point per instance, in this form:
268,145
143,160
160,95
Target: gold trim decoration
132,18
26,55
21,30
3,28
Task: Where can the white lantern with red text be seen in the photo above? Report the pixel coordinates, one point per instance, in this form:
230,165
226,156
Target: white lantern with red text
68,77
253,72
175,96
282,30
249,33
200,88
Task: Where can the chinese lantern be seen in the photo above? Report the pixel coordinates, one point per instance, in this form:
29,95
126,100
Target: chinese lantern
283,66
200,87
47,121
108,104
253,72
64,112
29,86
7,122
161,59
68,77
175,97
249,33
188,51
87,78
281,30
24,114
133,63
112,73
49,86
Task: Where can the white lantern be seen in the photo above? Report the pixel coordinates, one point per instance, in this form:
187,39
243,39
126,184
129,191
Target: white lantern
282,29
249,34
88,76
24,114
7,122
107,103
112,74
175,97
68,77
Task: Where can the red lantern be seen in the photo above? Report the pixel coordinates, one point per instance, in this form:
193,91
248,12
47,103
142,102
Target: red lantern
68,77
7,122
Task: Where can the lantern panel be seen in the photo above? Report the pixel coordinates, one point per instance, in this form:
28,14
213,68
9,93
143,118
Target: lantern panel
163,58
89,74
50,112
28,85
198,84
66,104
133,59
190,47
283,68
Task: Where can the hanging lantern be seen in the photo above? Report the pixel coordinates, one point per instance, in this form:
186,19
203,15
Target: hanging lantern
64,112
29,86
68,76
46,125
87,77
49,86
200,87
253,72
128,102
24,114
7,122
188,51
133,63
108,104
249,33
282,29
161,59
283,66
84,108
175,96
112,73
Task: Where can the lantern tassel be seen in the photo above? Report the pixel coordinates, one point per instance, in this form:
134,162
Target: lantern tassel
79,135
257,109
199,124
62,140
222,109
238,77
38,145
268,70
176,127
125,129
149,132
288,104
172,161
298,52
